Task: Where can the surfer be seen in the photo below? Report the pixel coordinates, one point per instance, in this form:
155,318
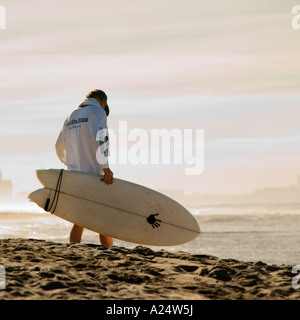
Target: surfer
77,145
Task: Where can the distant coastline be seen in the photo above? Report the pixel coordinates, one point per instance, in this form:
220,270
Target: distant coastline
271,195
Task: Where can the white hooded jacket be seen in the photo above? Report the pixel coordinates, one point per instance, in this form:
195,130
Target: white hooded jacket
77,144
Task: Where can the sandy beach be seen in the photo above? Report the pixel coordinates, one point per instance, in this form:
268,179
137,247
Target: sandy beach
43,270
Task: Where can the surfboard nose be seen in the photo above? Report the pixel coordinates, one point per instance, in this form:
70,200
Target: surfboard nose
197,227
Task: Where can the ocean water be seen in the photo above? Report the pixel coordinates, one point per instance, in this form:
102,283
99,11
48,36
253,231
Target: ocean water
268,233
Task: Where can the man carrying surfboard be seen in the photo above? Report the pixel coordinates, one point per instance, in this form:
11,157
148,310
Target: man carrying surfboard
77,145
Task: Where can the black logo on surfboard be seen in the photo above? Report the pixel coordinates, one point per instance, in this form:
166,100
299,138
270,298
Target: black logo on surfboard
153,221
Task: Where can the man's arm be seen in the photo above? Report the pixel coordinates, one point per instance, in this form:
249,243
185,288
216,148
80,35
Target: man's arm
60,147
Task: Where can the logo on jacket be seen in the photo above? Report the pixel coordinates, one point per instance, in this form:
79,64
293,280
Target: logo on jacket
76,121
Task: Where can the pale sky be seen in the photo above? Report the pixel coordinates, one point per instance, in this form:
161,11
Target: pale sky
228,67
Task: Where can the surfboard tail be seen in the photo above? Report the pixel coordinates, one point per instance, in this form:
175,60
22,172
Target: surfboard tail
47,176
40,197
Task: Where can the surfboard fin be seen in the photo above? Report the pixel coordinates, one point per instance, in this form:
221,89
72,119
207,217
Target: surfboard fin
47,204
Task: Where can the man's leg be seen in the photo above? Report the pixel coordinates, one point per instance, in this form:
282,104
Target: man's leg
76,233
106,240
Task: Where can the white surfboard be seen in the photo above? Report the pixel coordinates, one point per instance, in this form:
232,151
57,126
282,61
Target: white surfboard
123,210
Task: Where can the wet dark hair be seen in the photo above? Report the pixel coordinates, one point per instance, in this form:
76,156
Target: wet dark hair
101,95
96,93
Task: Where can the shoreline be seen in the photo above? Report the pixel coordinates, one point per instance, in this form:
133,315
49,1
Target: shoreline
44,270
7,215
272,239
